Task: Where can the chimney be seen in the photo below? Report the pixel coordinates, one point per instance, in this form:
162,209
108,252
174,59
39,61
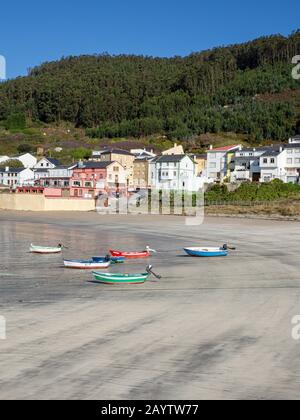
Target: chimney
175,144
281,149
80,164
6,168
211,147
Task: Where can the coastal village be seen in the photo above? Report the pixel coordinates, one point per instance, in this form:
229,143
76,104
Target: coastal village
116,171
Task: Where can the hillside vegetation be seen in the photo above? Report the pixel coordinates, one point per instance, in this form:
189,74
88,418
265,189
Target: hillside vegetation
224,90
253,192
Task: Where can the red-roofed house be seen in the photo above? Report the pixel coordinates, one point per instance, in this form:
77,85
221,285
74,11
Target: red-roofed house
219,162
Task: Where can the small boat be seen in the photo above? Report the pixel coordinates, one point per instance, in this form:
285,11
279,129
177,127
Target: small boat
46,249
132,255
113,260
86,264
207,252
109,278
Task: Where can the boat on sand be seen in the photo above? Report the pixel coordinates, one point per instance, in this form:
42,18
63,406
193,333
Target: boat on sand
132,254
110,278
36,249
87,264
206,252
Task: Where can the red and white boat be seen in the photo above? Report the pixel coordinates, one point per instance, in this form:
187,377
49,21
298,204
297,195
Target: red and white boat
132,255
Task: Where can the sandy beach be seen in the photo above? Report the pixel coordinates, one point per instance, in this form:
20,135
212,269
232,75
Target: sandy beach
209,329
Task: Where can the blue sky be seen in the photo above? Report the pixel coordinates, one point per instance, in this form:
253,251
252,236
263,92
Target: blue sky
32,32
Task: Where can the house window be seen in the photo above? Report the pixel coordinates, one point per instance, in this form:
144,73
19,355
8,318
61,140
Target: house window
88,184
116,169
213,155
76,183
289,161
265,160
272,160
175,173
290,151
297,160
212,165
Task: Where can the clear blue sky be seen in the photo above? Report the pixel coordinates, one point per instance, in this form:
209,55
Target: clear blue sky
32,32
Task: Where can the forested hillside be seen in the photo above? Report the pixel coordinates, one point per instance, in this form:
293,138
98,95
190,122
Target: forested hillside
220,90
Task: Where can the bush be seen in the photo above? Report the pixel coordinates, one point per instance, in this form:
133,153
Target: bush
81,153
16,121
24,148
253,192
12,163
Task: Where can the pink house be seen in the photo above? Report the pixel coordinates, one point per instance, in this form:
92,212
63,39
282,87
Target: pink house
89,178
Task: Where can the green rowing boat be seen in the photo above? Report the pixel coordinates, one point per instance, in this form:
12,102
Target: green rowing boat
109,278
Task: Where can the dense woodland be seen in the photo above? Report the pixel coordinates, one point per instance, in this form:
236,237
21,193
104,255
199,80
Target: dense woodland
182,97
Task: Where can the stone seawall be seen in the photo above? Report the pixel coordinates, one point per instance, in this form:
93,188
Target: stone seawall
33,202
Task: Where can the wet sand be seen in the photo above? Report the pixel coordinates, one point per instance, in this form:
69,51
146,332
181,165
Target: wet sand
210,328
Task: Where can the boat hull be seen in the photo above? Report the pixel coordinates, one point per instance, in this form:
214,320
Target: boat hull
120,278
206,252
45,250
86,265
130,255
113,260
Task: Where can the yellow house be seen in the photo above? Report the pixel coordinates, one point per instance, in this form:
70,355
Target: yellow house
124,157
200,161
141,173
176,150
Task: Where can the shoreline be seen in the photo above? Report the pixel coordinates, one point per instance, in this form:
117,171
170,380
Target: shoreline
248,216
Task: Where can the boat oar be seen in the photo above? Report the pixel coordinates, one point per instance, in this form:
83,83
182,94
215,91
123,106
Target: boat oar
150,271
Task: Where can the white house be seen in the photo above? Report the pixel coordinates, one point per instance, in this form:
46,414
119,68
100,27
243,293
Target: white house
219,162
27,159
56,177
292,161
40,173
246,164
14,177
294,140
172,172
272,164
47,163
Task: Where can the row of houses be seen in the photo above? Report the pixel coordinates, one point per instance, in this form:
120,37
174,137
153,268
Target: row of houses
110,169
118,170
258,164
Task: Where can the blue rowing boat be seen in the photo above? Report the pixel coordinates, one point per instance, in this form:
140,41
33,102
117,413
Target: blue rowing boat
206,252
